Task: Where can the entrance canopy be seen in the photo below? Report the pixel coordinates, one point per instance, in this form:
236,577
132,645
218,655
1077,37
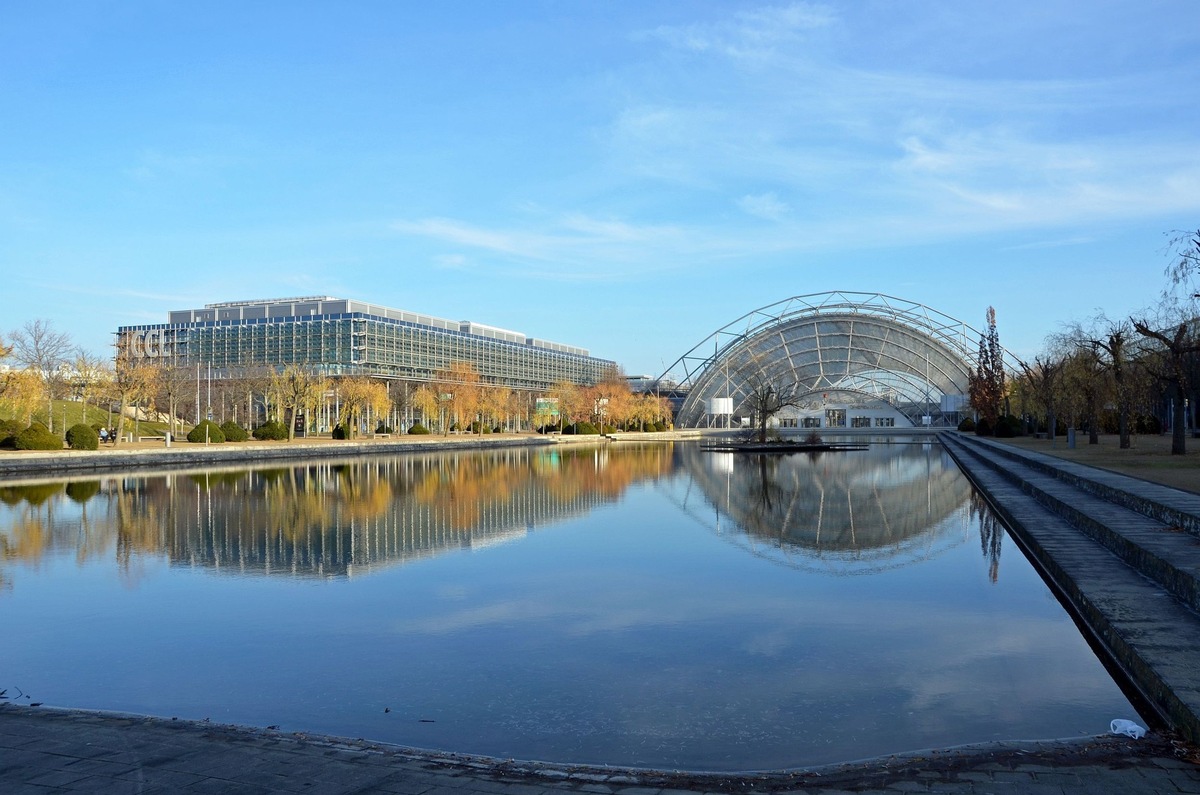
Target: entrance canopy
838,352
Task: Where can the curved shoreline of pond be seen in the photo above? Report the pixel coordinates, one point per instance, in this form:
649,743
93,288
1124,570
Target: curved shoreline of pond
85,750
41,464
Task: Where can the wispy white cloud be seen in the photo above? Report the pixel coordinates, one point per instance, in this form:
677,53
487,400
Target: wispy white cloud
931,156
451,262
153,164
751,35
764,205
569,247
1056,243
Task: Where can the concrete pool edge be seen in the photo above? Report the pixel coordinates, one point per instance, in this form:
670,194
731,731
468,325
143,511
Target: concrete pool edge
83,749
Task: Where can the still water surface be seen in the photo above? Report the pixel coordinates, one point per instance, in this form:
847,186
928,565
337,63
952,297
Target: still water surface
655,606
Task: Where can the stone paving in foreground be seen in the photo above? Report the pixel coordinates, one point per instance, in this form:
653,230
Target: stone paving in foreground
47,750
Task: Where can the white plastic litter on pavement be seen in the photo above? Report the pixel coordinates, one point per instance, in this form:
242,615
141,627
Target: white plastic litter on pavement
1128,727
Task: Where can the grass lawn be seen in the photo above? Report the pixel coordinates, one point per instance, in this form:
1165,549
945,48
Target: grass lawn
73,412
1150,457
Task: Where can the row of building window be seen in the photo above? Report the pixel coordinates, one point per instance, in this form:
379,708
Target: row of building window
836,422
366,346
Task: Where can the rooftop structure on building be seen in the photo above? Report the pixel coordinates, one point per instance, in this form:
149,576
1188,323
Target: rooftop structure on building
338,336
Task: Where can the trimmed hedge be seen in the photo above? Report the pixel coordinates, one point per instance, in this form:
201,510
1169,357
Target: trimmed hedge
234,432
418,429
206,430
967,425
8,433
82,437
582,429
37,437
1008,427
272,431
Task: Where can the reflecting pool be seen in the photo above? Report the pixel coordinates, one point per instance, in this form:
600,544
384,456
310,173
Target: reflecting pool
645,605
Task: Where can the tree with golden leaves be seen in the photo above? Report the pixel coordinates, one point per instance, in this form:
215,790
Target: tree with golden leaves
497,404
612,399
425,400
298,390
361,397
23,391
459,387
574,403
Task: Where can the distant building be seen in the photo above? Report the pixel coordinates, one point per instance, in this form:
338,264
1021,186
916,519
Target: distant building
337,337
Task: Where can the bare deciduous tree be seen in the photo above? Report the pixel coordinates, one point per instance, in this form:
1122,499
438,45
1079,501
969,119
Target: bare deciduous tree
1176,342
134,380
767,393
1045,378
43,350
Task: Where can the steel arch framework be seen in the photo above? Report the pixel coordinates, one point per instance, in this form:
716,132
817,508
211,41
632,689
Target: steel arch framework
860,348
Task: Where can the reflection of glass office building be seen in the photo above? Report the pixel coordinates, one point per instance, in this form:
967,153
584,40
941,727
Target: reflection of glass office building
336,337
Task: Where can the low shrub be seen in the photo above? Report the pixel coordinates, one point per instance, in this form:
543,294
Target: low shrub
1146,424
271,431
8,433
206,431
584,429
983,427
82,437
418,429
37,437
382,428
339,432
497,429
1008,426
659,426
967,425
234,432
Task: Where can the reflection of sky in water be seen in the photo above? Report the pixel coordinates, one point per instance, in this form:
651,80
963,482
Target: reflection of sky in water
630,634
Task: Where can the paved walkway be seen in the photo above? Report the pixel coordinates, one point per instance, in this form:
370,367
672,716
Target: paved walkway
1122,555
44,751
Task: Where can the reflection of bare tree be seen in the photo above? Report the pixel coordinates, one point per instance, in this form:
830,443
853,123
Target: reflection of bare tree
991,533
769,492
138,525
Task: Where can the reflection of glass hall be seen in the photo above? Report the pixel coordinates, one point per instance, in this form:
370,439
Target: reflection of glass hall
852,512
858,359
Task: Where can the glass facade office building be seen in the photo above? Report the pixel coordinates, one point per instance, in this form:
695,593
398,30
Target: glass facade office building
339,337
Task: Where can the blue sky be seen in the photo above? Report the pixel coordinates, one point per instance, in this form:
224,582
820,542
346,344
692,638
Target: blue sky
625,176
